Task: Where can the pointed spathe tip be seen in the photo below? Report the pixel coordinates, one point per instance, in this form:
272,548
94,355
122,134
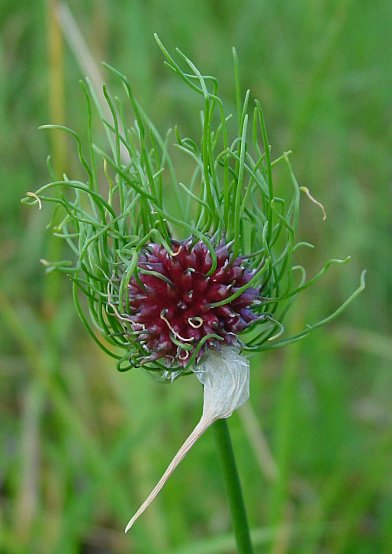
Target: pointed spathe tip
130,523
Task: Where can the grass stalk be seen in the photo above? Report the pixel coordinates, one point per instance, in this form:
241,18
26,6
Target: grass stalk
56,85
56,103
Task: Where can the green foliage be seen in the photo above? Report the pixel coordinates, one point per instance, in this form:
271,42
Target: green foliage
82,445
230,196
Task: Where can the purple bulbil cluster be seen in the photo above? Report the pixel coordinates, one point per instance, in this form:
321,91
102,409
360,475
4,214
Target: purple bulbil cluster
172,297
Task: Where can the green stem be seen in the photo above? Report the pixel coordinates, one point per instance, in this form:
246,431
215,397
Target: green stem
233,487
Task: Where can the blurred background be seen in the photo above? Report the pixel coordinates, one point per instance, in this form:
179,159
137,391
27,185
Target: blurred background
82,445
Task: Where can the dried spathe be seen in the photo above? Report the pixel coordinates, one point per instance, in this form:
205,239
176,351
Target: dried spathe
225,377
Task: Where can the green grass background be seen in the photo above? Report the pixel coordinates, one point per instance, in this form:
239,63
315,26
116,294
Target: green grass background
82,445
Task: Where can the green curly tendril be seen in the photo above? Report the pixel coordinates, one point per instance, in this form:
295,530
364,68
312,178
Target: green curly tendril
131,196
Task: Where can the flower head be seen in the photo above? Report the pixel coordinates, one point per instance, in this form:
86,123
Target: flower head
176,300
158,299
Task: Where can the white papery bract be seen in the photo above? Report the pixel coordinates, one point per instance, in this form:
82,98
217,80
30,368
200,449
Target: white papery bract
224,375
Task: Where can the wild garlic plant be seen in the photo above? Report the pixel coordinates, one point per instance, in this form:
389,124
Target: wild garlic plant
182,278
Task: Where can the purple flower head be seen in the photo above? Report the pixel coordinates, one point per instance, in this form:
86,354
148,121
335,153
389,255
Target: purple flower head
173,300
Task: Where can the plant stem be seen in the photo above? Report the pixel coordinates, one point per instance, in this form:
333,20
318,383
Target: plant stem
233,487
